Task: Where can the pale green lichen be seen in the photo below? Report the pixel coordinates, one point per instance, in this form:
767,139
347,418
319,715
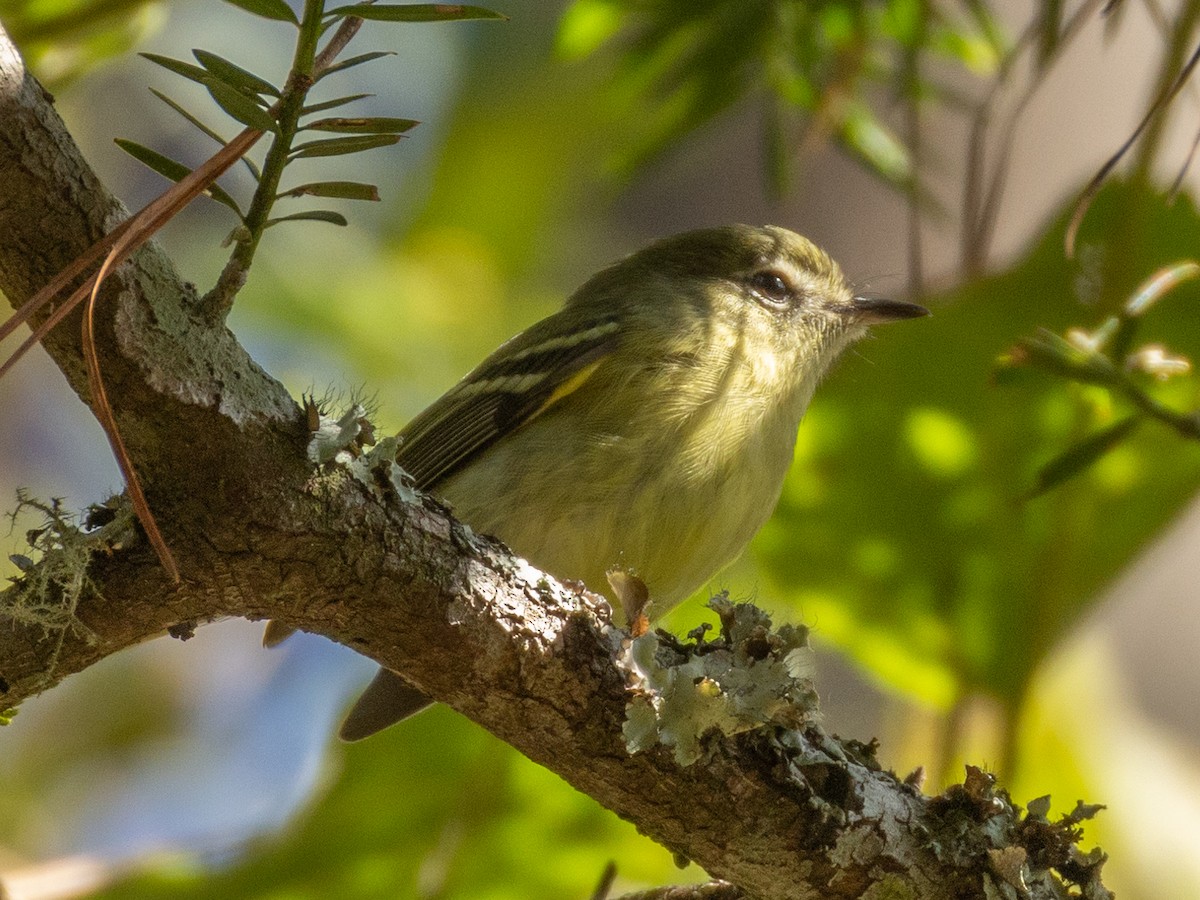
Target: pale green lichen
337,438
744,679
348,440
379,464
54,574
977,827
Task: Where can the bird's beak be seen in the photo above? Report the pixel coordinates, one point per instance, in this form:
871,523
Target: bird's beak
868,311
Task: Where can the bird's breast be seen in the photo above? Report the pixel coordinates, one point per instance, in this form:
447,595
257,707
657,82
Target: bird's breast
673,494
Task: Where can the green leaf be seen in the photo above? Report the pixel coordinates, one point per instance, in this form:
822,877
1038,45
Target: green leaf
989,27
268,9
416,12
1055,354
339,146
1082,456
234,75
241,107
175,171
204,129
355,61
373,125
333,104
312,215
244,107
867,134
249,163
344,190
179,67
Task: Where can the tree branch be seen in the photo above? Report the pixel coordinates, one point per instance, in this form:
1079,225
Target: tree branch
259,532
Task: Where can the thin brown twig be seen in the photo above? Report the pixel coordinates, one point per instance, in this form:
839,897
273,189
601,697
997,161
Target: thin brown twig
122,243
108,421
973,191
307,68
151,215
1187,165
604,886
1093,187
346,31
912,74
64,277
981,207
1177,36
143,225
1159,16
42,330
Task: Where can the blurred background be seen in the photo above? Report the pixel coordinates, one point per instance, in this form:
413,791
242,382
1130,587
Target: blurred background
958,614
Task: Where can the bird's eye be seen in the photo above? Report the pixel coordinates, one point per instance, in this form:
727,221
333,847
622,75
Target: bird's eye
771,287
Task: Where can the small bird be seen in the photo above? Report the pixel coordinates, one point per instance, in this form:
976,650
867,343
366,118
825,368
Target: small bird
637,439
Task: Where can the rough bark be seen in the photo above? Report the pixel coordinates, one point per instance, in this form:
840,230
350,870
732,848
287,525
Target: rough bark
258,532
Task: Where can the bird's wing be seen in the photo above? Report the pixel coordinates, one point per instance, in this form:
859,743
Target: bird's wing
514,385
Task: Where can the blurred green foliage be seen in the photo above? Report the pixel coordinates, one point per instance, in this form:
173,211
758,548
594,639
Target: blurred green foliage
437,808
62,39
906,535
820,67
904,538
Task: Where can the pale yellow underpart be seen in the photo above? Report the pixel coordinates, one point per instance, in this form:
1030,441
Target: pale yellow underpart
672,493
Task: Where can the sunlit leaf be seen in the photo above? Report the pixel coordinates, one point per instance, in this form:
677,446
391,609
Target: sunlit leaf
345,190
989,26
175,171
62,40
875,142
586,25
373,125
1159,285
416,12
339,146
235,75
932,573
268,9
312,215
975,52
1055,354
